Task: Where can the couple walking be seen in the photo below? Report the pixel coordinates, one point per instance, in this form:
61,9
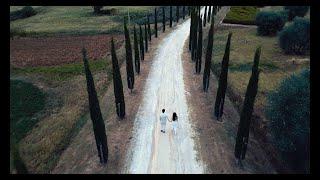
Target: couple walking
163,121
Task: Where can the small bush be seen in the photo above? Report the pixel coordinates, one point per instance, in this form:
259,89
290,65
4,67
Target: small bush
294,11
269,23
295,38
25,12
288,110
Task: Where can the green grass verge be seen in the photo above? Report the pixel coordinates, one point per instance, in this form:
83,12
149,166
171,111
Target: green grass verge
274,63
66,71
242,15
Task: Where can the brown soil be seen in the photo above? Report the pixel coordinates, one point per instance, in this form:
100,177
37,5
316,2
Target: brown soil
216,140
49,51
81,156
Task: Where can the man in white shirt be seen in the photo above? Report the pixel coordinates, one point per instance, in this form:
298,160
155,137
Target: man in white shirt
163,120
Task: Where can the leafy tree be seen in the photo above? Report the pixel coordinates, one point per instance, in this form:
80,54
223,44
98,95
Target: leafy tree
146,36
117,84
149,29
207,66
170,16
288,109
205,17
163,20
95,113
295,38
136,51
129,64
199,46
218,107
246,113
155,22
294,11
269,23
141,44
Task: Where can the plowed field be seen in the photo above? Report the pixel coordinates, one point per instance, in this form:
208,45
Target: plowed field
50,51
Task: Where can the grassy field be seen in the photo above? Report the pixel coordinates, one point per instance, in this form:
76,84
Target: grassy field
275,65
242,15
76,20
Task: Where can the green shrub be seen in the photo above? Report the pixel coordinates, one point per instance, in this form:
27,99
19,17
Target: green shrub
295,38
269,23
288,110
242,15
25,12
294,11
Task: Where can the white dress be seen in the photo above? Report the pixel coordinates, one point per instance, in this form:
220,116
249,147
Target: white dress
175,126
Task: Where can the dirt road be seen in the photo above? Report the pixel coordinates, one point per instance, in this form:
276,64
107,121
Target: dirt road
153,151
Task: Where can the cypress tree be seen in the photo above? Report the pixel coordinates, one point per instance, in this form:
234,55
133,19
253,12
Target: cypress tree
194,38
209,14
246,113
117,84
146,36
129,63
183,12
170,16
207,66
156,22
199,53
191,29
141,44
189,10
205,17
177,14
136,51
163,20
95,113
218,107
149,29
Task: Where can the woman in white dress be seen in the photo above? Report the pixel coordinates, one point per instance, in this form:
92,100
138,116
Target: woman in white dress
174,123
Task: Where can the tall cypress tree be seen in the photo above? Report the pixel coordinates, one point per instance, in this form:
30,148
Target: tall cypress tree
199,53
95,114
170,16
129,63
195,38
177,14
149,29
136,51
183,12
156,22
207,66
146,36
246,113
209,14
163,19
205,17
218,107
191,29
141,43
117,84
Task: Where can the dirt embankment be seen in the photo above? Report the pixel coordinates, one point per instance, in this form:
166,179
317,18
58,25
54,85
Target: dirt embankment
50,51
81,156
